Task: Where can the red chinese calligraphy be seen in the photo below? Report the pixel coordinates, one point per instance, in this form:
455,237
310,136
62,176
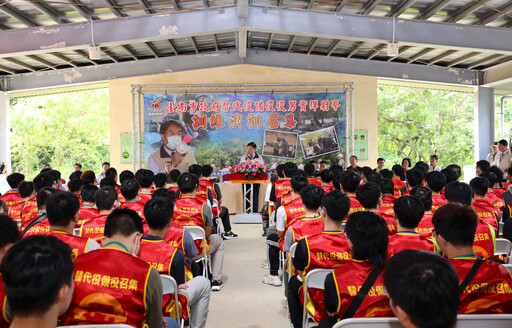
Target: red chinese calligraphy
272,121
215,107
193,106
203,106
269,106
171,107
237,106
226,105
292,105
259,106
216,122
335,104
182,107
313,105
324,105
280,106
199,122
303,105
290,121
248,106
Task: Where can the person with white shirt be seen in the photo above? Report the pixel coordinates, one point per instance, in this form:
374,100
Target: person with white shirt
493,155
251,155
433,164
502,160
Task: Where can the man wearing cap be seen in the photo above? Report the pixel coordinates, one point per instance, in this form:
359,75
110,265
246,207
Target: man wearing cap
172,134
502,159
492,156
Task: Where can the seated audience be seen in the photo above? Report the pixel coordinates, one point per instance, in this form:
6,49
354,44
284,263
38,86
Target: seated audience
350,181
88,209
423,289
8,236
12,196
132,296
436,181
484,209
388,199
26,192
370,197
485,286
106,201
40,224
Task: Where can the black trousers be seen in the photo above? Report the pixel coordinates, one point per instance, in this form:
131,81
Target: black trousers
224,216
294,304
255,197
273,253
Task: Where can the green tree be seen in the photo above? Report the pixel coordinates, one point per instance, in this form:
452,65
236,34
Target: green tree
60,129
417,123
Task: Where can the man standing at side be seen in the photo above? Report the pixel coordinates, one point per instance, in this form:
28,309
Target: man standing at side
504,156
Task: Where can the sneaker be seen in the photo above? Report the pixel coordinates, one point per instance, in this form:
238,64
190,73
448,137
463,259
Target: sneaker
230,235
264,264
217,285
272,280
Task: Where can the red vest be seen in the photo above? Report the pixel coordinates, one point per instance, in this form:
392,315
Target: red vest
175,237
390,221
306,227
286,198
398,185
174,188
29,211
408,240
188,211
145,196
490,290
425,226
355,206
120,194
77,195
159,254
487,212
209,185
282,185
11,198
499,191
94,228
327,189
438,200
314,181
495,200
293,211
107,292
137,206
78,244
326,250
387,204
41,228
4,322
86,213
15,211
484,242
349,279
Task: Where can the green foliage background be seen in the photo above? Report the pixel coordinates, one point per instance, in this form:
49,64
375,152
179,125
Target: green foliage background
417,123
60,129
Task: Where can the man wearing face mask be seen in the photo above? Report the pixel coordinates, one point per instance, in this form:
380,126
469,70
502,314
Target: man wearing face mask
173,150
106,291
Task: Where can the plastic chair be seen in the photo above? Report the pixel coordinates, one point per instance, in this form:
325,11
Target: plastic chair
500,228
314,279
114,325
503,247
217,221
291,255
169,286
509,267
199,233
18,222
463,321
76,232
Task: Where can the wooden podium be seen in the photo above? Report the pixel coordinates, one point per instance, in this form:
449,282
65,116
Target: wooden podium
248,216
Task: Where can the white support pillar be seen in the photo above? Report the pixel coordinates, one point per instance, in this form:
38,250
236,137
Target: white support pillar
484,121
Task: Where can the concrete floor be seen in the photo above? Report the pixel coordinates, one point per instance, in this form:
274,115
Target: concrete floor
245,301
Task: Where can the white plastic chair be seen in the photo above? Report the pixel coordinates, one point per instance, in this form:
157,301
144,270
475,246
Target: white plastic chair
503,247
199,233
314,279
217,221
463,321
114,325
169,286
500,228
76,232
509,267
291,255
18,222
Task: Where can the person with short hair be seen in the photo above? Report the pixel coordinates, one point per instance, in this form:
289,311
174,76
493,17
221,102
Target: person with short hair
425,226
130,189
490,196
436,181
490,288
504,156
169,260
88,209
498,188
104,167
398,177
367,236
160,181
3,207
433,167
29,209
77,167
310,171
311,253
326,177
423,289
26,192
380,164
136,292
74,187
406,164
62,212
75,175
8,236
40,224
189,210
106,201
370,197
108,182
350,181
12,196
408,214
353,163
282,185
145,179
482,166
413,178
388,199
323,166
89,178
252,156
37,273
484,209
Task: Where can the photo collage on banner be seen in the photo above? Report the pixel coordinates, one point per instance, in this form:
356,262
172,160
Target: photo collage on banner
215,128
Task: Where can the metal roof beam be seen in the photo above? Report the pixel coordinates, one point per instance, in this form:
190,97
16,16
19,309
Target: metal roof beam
401,8
462,59
313,45
400,51
42,61
335,45
432,10
484,60
145,5
441,56
375,51
355,48
494,14
82,10
372,4
466,11
113,6
16,14
45,9
420,54
20,64
340,5
65,59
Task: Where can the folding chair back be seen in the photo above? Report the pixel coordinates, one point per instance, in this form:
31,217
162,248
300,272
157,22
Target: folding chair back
198,233
291,255
217,221
114,325
500,227
169,286
503,247
314,279
368,322
76,232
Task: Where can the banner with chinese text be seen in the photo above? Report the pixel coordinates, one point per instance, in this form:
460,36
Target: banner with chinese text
217,127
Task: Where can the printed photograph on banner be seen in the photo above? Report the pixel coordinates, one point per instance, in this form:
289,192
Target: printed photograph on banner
280,144
215,129
319,142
